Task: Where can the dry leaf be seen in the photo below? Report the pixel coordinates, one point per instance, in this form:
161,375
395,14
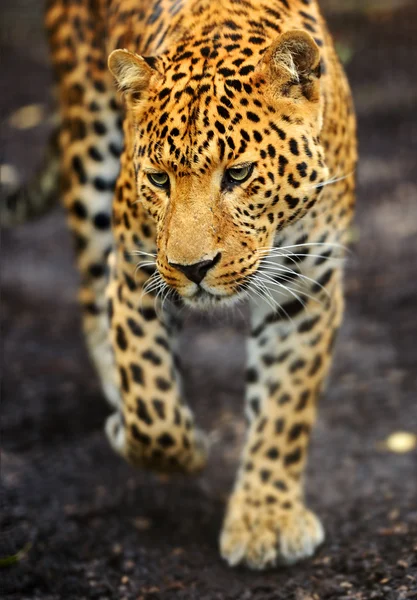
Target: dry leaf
28,116
142,523
9,175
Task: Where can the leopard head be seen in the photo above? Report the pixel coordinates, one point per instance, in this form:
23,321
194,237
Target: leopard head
226,153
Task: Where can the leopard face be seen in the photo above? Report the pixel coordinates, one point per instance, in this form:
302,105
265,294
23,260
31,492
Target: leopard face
226,153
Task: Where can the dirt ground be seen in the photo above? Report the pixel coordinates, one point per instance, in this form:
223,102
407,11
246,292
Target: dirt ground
89,526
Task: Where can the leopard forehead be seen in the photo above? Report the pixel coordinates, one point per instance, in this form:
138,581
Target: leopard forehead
197,122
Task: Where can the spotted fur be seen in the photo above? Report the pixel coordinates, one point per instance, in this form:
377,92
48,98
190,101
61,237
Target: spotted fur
198,94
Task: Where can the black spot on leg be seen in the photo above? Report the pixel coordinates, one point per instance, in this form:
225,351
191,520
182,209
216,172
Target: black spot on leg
272,453
322,281
121,340
166,440
163,342
97,270
99,86
137,373
110,310
283,356
95,154
332,341
273,387
280,485
261,425
302,402
142,412
177,417
284,399
256,447
271,499
75,94
159,407
157,454
315,367
162,384
103,185
252,375
148,314
265,475
129,282
295,432
77,165
99,127
279,426
308,324
292,458
124,380
91,308
134,327
115,150
139,436
152,357
255,405
102,221
79,210
297,365
78,129
324,256
146,230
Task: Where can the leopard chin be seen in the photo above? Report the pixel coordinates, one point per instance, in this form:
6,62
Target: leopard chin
205,300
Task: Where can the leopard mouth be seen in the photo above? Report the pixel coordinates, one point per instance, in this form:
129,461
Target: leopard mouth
206,299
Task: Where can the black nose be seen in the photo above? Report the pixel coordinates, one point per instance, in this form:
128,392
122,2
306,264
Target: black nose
197,271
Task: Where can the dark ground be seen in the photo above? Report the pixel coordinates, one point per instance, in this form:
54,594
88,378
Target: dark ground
99,529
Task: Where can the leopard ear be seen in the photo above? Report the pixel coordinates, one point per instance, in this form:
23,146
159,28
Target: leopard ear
132,72
292,65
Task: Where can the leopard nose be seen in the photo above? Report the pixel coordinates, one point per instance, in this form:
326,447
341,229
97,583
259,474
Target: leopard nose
197,271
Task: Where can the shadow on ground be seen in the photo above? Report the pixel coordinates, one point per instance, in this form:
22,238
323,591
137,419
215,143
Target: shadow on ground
92,527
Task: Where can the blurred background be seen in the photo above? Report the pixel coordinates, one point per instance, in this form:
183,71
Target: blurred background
77,522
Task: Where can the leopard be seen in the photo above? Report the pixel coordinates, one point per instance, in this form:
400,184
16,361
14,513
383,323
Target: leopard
206,156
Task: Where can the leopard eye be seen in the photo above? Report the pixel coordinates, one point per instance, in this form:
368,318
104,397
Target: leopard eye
159,179
238,175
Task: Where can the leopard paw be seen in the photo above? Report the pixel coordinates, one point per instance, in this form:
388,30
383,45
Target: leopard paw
150,453
264,536
116,433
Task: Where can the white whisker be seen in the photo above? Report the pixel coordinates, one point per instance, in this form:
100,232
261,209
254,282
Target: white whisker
276,305
329,181
274,267
293,256
271,249
268,279
141,253
142,266
292,291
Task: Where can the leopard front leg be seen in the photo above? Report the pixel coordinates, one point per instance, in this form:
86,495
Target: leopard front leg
267,521
155,428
